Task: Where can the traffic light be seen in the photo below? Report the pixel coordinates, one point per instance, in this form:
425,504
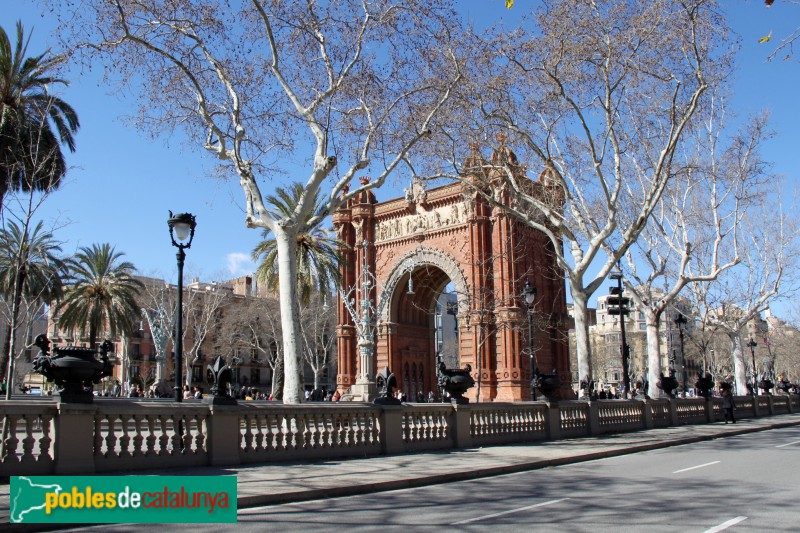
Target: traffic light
616,303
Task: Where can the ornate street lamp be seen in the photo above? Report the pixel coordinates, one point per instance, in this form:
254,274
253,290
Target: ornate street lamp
529,295
365,313
752,345
181,231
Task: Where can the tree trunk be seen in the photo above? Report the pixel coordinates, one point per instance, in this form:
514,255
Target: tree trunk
290,313
277,379
739,366
653,355
8,352
581,315
187,371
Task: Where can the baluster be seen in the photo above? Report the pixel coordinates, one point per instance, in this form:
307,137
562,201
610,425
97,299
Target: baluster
319,430
138,437
151,435
351,433
357,429
187,434
304,418
164,439
278,433
175,440
98,436
200,436
27,442
271,432
248,433
45,441
111,437
260,437
11,441
125,439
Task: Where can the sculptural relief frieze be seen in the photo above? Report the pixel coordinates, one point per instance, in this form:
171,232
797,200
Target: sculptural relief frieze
423,220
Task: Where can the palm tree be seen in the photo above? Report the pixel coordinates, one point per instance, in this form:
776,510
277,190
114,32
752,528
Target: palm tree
29,268
33,123
318,256
102,294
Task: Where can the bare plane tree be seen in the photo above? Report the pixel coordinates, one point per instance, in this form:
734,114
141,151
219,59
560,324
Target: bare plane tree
318,327
267,87
202,308
692,236
598,97
766,275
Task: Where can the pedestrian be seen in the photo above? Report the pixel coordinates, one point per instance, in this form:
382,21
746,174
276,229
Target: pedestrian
728,405
336,396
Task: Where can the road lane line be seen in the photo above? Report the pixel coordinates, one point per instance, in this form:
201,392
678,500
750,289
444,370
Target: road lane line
695,467
788,444
726,525
520,509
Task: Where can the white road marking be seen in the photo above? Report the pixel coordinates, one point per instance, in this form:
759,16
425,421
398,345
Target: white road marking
695,467
726,525
788,444
484,517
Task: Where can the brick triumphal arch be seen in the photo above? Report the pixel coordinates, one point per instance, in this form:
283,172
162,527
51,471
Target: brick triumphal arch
450,236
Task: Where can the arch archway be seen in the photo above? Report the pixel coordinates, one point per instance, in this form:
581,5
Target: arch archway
452,235
413,332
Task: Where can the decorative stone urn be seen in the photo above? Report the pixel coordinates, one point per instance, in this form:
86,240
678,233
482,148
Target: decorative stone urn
766,385
705,384
549,385
668,384
455,381
219,376
74,369
386,382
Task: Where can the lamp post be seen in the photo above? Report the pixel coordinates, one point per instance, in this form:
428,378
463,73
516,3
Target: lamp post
364,312
752,345
529,295
618,305
680,322
181,231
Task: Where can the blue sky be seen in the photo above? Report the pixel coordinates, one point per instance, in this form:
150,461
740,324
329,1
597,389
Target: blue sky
122,183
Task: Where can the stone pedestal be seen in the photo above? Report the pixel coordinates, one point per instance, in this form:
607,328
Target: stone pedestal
74,439
223,435
364,391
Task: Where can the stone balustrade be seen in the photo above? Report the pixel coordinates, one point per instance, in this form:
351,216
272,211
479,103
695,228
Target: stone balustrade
43,437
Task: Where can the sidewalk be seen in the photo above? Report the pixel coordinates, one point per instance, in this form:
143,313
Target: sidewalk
273,483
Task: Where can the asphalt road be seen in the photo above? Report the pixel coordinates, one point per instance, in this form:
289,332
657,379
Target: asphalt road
742,483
